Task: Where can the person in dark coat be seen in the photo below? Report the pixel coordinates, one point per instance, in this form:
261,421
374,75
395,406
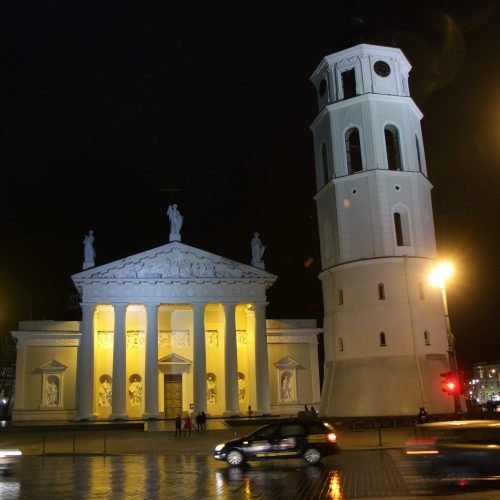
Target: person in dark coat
422,416
178,425
203,421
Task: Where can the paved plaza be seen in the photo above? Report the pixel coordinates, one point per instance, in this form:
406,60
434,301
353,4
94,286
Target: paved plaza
148,465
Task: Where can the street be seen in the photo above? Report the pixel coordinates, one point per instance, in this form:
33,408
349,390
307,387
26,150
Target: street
351,474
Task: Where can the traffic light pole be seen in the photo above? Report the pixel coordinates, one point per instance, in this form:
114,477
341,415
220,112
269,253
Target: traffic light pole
452,355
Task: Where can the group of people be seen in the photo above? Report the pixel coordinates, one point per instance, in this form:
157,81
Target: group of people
186,428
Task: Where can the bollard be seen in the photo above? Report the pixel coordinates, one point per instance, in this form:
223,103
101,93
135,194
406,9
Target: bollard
379,434
105,450
74,445
43,445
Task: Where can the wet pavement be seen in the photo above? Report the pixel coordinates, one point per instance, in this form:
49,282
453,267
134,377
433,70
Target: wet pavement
60,462
350,474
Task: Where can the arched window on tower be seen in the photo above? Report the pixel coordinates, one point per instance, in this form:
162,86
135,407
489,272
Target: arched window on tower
353,151
381,291
392,148
402,228
417,144
341,297
341,344
324,156
383,342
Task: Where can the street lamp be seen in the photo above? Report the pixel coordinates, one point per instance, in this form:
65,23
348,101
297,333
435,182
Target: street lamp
438,278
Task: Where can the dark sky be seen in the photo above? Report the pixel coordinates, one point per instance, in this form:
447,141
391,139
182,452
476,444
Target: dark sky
113,112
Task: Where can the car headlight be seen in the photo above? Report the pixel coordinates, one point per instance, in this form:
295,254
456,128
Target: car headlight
219,447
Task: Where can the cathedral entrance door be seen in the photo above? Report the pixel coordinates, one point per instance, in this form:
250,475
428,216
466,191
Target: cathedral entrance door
173,395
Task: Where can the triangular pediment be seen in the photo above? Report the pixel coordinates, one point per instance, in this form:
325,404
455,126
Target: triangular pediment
175,359
287,362
172,261
51,366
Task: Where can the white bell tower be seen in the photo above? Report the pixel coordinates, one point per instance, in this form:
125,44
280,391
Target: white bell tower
384,326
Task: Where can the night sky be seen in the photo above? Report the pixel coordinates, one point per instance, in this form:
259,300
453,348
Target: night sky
112,113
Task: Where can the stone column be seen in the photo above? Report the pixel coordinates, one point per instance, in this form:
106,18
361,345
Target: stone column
85,368
151,382
199,360
119,399
231,360
261,359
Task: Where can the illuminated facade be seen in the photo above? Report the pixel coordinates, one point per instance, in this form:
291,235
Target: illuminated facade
385,333
171,330
485,383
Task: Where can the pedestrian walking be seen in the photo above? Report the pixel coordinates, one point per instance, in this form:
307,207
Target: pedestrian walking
203,421
306,408
198,422
178,425
250,412
188,425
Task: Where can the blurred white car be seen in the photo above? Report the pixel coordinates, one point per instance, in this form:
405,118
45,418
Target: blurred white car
9,458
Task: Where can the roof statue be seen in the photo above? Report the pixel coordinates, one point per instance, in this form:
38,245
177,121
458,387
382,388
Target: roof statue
176,219
88,250
257,251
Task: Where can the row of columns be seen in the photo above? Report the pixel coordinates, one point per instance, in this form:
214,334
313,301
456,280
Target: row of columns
85,383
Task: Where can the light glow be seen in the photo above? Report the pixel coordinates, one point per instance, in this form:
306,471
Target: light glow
331,437
219,447
440,274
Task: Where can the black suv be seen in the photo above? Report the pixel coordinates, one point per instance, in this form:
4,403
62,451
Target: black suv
309,439
459,452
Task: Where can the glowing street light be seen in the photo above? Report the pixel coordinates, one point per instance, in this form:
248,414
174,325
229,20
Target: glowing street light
440,274
438,277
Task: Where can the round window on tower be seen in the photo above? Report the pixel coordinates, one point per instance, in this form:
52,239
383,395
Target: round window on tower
322,87
382,68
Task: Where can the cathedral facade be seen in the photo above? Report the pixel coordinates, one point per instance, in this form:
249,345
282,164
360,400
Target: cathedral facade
171,330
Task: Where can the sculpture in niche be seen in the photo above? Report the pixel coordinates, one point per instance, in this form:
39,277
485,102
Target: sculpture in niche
242,389
135,390
88,250
51,391
105,390
286,387
175,222
211,388
257,251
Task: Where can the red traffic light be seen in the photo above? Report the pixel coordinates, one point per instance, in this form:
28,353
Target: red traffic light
450,384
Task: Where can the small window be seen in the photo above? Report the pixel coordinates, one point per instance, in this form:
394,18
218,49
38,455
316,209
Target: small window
417,144
324,156
402,228
382,339
399,229
353,151
341,297
427,337
392,148
341,344
381,291
349,83
421,291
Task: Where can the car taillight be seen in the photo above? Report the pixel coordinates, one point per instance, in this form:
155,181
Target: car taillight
331,437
